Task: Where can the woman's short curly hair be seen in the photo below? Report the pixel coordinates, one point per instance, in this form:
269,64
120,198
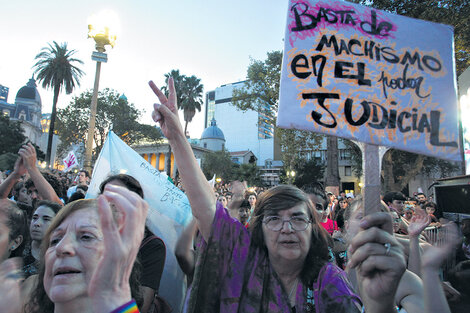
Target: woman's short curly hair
284,197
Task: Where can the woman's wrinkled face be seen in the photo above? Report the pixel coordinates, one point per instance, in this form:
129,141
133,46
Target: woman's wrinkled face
288,244
75,248
41,220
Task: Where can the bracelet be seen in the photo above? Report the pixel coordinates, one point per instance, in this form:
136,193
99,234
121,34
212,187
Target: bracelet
129,307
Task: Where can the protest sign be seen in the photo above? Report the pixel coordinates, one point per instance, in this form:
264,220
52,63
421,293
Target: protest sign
169,209
70,161
355,72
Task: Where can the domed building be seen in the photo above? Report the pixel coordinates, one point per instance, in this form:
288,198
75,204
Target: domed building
26,109
212,137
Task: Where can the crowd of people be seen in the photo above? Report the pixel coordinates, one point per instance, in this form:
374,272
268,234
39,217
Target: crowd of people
256,249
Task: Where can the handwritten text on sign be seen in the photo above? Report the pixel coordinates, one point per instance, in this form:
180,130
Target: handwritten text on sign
359,73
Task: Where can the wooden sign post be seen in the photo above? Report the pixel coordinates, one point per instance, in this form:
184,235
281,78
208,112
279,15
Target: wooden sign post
371,188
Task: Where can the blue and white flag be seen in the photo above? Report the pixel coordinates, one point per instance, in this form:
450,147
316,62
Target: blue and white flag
169,209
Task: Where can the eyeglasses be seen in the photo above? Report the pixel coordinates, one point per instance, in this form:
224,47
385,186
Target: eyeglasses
297,223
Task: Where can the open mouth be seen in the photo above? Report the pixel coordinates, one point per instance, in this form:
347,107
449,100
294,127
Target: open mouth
66,271
289,242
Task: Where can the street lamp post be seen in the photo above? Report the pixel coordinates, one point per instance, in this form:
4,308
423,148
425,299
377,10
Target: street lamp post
102,37
291,176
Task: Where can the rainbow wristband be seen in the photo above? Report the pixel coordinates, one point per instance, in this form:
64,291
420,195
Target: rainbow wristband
129,307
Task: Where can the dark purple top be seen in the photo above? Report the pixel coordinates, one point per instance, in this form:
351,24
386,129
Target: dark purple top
232,276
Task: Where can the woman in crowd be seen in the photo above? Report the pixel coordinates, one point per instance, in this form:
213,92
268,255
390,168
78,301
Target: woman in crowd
280,265
252,197
327,223
89,255
13,230
152,251
13,235
408,215
40,221
431,210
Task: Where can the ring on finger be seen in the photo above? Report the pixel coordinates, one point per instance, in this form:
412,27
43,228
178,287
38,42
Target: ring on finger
387,246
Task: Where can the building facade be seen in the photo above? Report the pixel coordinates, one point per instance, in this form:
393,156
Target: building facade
26,109
161,157
243,131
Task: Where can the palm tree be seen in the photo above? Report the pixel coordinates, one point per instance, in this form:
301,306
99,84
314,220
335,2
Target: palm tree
55,70
189,93
192,99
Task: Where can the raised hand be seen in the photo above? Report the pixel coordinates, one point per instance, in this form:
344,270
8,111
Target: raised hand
237,187
122,236
379,262
166,112
433,257
19,169
419,222
28,154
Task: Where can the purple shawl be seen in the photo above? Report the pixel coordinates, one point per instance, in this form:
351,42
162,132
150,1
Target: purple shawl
232,276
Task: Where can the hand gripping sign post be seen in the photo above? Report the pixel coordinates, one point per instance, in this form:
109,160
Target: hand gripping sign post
363,74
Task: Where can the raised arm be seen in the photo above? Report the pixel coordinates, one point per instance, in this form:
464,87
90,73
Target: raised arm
45,190
432,260
418,223
184,251
199,192
8,184
238,190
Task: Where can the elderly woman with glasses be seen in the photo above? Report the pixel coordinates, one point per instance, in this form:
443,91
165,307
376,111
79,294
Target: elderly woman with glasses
279,264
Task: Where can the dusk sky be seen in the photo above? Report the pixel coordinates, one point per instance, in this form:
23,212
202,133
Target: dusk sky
211,39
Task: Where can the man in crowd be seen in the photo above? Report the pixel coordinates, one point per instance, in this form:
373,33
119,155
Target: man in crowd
83,179
421,197
396,202
38,185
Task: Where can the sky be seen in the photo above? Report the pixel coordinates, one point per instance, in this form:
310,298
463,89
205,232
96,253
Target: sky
212,39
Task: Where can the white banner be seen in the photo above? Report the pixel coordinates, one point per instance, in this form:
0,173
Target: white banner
70,161
169,208
363,74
